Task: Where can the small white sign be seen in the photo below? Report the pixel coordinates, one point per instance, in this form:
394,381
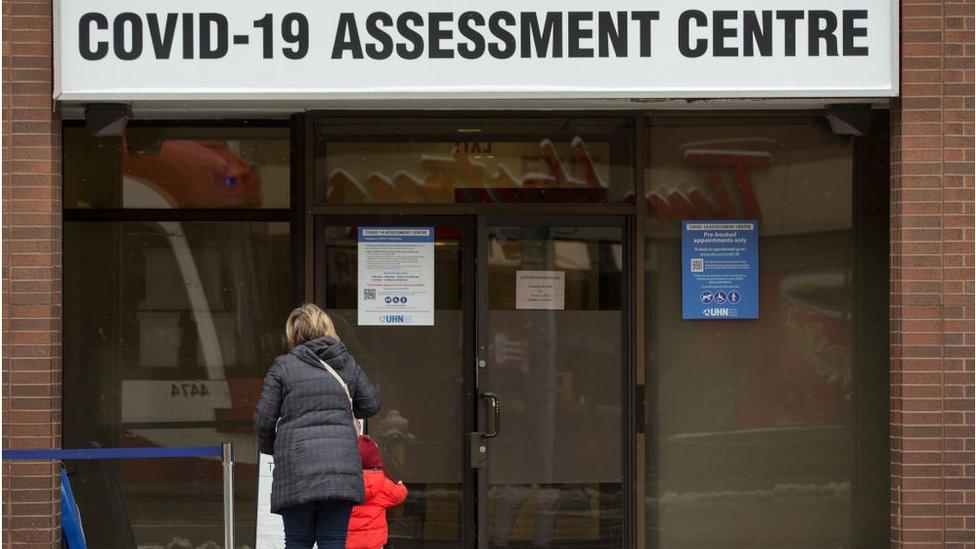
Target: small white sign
396,276
270,530
541,290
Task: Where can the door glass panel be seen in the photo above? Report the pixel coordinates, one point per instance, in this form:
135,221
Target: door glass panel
479,160
555,360
418,372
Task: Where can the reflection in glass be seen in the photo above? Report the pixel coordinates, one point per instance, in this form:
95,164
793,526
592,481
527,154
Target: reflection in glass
417,370
178,167
555,468
480,160
169,330
752,438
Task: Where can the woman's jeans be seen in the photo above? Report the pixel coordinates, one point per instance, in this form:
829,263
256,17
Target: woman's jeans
321,522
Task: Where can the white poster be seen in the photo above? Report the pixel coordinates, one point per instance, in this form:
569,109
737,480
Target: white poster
295,50
396,276
544,290
270,530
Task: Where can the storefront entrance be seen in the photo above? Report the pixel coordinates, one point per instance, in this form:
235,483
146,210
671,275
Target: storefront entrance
506,418
607,419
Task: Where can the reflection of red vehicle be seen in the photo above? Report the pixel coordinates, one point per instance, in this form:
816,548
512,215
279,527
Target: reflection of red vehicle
459,178
810,375
193,174
665,204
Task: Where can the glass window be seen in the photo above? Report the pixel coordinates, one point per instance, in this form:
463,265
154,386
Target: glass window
437,160
753,431
169,330
177,167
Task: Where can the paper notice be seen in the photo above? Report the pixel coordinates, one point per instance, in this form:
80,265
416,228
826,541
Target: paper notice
540,290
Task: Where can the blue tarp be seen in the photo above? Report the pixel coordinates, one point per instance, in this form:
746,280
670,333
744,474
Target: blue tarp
71,531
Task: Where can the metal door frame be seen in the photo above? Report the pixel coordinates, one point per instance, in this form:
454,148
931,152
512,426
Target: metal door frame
627,387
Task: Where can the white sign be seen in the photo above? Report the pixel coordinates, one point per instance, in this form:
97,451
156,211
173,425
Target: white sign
540,290
270,529
299,50
396,276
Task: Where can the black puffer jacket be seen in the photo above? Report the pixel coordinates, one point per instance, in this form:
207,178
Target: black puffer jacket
315,451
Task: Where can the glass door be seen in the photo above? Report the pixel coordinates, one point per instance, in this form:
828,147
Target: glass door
506,418
553,354
425,375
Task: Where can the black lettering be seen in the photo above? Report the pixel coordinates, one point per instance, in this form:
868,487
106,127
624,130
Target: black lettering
721,31
347,38
816,32
188,36
499,32
435,34
644,19
85,39
207,49
789,19
466,24
850,17
758,35
542,38
118,38
298,38
684,20
614,33
411,35
577,34
373,28
162,39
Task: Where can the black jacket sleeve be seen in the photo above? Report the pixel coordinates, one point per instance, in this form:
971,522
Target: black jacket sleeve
365,397
268,411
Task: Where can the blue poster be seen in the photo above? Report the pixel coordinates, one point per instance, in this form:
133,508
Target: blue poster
720,269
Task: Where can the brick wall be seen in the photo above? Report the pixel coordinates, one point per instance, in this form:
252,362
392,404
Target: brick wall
932,279
31,274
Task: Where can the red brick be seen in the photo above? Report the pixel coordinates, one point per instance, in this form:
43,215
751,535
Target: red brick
31,294
924,122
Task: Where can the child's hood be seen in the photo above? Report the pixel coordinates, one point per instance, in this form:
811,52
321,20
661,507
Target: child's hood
369,451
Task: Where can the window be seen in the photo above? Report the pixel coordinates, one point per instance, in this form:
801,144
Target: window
171,322
177,167
477,160
763,432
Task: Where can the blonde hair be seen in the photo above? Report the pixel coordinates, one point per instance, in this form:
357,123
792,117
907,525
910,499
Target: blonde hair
308,322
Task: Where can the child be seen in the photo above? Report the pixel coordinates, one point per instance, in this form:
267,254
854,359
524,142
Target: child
367,525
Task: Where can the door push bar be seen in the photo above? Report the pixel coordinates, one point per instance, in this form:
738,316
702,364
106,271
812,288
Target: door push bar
477,440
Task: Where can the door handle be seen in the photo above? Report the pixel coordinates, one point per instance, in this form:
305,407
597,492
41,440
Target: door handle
492,399
476,440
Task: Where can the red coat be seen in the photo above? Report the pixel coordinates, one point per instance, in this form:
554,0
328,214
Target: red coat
367,525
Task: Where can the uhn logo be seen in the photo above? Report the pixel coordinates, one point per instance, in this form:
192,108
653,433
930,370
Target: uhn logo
716,312
394,319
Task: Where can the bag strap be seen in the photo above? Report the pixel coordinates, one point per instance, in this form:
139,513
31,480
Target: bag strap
358,424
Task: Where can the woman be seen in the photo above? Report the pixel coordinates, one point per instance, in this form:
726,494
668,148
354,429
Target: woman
304,419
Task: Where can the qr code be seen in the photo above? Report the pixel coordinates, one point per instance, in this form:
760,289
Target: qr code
369,294
698,265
